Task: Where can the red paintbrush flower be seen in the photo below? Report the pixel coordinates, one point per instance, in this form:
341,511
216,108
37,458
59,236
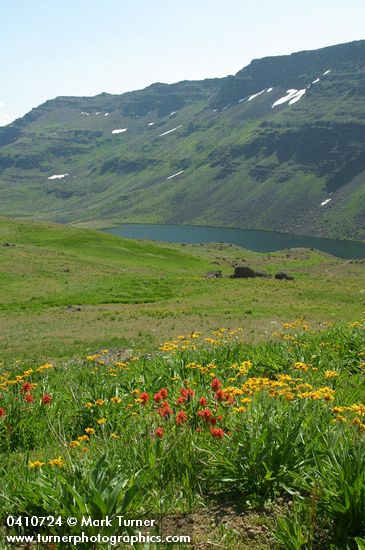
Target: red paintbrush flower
27,386
157,397
145,397
187,394
181,417
159,432
46,399
28,398
216,384
220,395
165,411
217,432
205,414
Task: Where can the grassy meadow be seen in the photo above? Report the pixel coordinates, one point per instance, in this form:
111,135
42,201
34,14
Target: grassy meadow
66,292
132,385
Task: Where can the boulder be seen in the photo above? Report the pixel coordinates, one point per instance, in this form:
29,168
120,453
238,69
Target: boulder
281,276
243,272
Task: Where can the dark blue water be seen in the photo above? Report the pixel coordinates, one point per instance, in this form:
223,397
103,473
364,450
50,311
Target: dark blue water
260,241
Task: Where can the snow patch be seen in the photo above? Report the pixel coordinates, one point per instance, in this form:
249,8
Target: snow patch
327,72
98,113
106,114
150,123
256,95
85,113
169,131
269,90
297,97
315,81
57,176
119,130
325,202
215,110
174,175
173,113
242,100
292,96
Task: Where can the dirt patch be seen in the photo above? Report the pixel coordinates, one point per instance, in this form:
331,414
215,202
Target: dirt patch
227,526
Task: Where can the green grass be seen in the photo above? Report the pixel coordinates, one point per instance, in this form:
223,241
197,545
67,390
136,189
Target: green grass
288,466
65,291
277,444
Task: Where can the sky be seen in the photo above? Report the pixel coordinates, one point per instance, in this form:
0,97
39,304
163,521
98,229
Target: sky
50,48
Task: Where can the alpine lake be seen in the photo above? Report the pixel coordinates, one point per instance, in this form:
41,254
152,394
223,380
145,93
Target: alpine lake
259,241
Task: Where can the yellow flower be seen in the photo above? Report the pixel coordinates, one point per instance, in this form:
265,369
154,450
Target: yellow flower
101,421
27,372
338,409
56,462
99,402
330,374
45,367
359,409
114,436
299,365
89,405
116,399
289,396
36,464
305,386
90,431
83,438
75,443
93,357
246,400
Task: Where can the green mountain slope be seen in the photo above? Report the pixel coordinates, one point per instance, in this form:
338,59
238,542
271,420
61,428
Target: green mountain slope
280,145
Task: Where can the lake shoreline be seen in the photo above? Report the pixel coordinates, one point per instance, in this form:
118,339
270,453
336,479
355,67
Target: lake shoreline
252,239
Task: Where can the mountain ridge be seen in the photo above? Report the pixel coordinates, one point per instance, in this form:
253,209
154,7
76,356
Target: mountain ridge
262,149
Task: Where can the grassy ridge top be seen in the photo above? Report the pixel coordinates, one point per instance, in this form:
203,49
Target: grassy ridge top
67,290
52,265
